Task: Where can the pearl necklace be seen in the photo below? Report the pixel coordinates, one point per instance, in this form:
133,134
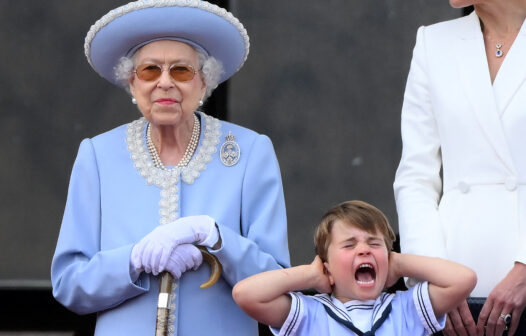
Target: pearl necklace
190,149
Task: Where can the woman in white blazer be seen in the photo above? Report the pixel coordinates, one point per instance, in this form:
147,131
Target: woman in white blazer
460,188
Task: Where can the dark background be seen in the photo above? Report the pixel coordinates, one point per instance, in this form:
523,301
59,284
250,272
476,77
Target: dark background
324,79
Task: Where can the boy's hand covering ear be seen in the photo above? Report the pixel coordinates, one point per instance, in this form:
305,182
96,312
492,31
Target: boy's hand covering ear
322,281
393,275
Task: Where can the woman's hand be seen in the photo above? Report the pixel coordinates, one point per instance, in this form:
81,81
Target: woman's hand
460,322
184,257
508,297
153,252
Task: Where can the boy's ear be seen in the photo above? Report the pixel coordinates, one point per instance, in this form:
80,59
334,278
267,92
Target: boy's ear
328,272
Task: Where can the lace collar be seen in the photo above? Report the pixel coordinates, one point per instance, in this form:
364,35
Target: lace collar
209,139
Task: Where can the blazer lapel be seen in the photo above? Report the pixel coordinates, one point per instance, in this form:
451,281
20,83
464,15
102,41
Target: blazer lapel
512,72
476,81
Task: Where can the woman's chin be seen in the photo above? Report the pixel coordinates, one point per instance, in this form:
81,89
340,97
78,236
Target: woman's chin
165,116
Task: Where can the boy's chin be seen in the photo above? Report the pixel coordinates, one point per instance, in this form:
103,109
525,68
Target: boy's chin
368,293
359,293
368,296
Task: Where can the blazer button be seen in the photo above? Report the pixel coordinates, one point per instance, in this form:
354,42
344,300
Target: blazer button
511,183
463,187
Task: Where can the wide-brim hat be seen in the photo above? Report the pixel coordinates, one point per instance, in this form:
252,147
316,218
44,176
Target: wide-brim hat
204,25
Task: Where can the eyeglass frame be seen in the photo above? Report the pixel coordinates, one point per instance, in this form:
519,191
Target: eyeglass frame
162,67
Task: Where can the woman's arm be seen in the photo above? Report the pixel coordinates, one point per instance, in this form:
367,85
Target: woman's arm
449,282
264,296
418,185
84,278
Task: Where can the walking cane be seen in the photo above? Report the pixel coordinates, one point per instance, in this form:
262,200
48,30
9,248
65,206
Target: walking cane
165,289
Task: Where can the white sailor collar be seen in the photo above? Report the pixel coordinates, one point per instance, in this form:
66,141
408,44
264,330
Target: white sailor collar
354,310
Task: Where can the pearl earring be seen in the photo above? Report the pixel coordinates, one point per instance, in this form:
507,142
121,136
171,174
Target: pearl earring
134,101
200,103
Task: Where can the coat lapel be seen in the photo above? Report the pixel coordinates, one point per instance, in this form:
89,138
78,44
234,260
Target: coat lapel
476,81
512,73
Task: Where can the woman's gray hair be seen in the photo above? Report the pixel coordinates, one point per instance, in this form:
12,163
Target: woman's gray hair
211,70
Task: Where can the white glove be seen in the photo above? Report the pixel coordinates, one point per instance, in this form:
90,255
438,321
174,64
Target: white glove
152,253
184,257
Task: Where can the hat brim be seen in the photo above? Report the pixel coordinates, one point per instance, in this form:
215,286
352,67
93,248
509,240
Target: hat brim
223,38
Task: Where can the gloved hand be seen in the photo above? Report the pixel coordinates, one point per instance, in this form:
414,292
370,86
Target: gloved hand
183,258
152,253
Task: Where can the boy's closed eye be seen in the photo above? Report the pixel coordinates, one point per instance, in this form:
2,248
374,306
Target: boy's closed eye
376,243
371,242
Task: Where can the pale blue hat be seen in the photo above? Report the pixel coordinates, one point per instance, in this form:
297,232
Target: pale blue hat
201,24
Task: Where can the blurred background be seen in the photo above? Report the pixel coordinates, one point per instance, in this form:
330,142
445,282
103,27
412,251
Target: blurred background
324,80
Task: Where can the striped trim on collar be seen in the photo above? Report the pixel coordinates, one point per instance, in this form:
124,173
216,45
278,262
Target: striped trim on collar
342,310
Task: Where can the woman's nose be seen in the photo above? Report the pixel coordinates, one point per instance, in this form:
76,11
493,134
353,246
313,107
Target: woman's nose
165,81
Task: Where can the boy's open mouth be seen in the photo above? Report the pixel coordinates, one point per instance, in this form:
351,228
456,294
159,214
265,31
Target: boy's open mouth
365,274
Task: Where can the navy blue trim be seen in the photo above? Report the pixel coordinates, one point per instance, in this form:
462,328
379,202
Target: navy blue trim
377,308
336,308
294,316
357,331
360,307
425,313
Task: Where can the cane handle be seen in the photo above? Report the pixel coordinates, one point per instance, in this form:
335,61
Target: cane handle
215,267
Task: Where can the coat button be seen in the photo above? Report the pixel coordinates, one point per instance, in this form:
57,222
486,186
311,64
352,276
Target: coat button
511,183
463,187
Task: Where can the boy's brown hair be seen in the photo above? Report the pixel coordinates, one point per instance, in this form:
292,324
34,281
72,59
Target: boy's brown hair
358,214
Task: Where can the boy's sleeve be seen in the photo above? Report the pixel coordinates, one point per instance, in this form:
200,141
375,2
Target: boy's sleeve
424,309
295,317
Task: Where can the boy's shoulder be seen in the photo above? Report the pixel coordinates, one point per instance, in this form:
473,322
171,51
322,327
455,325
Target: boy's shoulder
415,308
306,316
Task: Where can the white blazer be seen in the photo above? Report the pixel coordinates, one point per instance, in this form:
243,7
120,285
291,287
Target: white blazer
454,119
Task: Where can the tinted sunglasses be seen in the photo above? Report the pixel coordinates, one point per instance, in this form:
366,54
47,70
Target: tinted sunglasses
179,72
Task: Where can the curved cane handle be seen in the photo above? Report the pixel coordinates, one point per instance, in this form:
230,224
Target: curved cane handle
215,266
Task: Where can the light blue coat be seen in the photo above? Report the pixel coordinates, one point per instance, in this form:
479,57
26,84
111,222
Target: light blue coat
110,207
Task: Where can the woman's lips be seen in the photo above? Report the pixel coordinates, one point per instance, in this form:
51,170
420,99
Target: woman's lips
166,101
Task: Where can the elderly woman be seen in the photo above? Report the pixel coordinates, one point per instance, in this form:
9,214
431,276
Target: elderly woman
143,195
464,114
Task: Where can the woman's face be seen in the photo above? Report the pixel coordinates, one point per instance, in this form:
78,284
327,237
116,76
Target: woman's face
165,101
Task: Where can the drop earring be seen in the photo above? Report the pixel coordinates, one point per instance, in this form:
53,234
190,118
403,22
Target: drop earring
200,103
134,101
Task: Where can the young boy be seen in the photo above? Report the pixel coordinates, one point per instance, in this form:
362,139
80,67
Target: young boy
354,264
